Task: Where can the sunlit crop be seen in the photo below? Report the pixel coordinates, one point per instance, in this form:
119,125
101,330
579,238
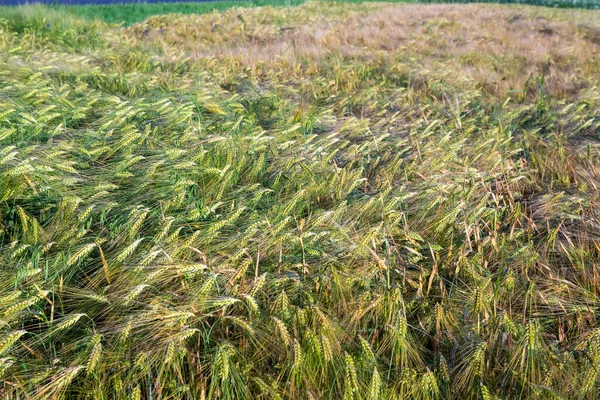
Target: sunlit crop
321,202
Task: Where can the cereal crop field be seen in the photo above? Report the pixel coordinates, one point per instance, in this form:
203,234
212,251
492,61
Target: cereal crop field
376,201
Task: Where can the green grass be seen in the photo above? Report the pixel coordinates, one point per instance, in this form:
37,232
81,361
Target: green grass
136,12
383,201
132,13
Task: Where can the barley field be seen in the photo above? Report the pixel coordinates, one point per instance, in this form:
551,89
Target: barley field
382,201
128,12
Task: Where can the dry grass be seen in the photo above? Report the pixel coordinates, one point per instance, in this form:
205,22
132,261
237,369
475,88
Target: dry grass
497,48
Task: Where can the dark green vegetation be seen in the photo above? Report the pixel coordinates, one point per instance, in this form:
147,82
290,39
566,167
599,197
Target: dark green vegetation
393,201
132,13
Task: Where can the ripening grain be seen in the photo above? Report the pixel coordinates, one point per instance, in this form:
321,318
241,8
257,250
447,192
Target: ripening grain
369,202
